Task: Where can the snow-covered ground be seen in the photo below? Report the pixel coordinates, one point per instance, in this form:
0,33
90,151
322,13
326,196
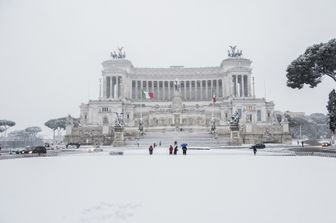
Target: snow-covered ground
204,186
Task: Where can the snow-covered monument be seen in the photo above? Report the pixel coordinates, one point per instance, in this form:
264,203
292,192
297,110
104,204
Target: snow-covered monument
196,99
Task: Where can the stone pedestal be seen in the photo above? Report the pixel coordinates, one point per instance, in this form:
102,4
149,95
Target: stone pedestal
106,129
235,136
248,128
177,105
285,126
119,139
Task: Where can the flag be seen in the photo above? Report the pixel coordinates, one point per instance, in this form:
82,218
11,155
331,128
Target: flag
147,94
213,98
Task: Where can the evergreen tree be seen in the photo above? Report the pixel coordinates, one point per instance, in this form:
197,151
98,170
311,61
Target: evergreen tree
5,124
318,60
332,110
59,124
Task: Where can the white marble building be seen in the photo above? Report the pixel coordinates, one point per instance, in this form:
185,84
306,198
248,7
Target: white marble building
231,82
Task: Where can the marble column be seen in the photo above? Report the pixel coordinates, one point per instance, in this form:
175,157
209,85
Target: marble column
243,85
232,85
196,90
190,90
236,85
117,87
221,89
136,90
162,91
112,86
159,91
169,90
201,96
104,87
206,89
248,86
212,89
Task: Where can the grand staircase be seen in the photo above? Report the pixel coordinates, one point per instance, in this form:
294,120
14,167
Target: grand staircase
194,140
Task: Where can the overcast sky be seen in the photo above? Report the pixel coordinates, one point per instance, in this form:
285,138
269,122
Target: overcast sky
51,51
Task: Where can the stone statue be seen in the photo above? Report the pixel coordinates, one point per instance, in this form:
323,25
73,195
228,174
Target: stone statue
119,122
234,52
177,85
119,139
114,55
234,119
140,127
120,55
213,127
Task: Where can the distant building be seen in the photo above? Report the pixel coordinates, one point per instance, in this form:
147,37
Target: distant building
193,109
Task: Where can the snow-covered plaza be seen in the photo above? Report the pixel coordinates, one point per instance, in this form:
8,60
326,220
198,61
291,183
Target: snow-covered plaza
204,186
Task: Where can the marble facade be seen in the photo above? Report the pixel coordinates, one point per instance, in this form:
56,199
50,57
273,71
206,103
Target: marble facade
231,83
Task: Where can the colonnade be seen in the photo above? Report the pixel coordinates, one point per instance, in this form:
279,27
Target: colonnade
191,90
241,85
112,87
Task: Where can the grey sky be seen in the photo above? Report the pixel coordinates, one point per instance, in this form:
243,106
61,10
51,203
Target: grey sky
51,51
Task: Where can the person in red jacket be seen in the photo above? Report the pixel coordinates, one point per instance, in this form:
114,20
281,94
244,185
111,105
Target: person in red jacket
171,150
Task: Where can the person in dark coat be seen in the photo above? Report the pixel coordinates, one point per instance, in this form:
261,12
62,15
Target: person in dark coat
171,150
254,150
150,150
175,148
184,149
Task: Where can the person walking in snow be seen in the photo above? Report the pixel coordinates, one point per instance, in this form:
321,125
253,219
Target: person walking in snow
184,149
171,150
150,150
175,148
254,150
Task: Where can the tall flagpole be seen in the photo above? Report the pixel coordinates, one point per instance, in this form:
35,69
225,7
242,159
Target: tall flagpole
141,105
213,111
213,106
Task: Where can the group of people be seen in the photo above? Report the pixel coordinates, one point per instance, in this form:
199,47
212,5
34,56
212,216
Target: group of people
172,150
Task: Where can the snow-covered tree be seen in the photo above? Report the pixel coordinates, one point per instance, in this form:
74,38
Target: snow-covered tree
317,61
5,124
2,129
59,124
332,110
26,136
33,130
